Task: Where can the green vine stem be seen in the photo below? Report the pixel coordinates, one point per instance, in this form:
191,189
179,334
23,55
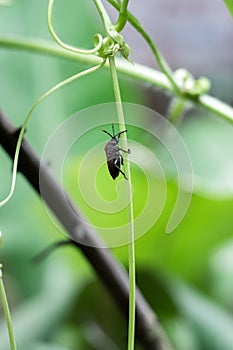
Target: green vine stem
120,113
123,16
64,45
103,14
136,71
131,248
6,309
20,138
176,109
160,59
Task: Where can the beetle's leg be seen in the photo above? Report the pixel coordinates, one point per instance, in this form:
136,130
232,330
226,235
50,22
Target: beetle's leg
123,150
115,164
122,159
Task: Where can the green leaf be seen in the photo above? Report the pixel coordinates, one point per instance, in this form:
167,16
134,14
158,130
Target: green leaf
43,312
212,323
229,5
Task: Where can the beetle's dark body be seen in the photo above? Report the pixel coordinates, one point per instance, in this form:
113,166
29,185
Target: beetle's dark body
114,158
113,155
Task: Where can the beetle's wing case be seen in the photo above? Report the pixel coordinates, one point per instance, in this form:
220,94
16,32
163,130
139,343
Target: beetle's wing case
112,158
114,172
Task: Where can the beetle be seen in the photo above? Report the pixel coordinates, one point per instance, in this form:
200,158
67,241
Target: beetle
113,155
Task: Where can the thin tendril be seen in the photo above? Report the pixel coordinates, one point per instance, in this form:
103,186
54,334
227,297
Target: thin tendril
19,142
64,45
6,309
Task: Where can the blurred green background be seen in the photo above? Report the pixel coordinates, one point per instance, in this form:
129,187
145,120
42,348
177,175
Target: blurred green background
187,276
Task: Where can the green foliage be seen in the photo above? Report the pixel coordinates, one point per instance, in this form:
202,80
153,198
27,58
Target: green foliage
229,5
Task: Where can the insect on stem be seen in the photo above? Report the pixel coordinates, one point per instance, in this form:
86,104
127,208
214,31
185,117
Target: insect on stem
113,155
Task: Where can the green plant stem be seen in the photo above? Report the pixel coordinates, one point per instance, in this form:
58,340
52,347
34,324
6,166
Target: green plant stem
136,71
131,248
103,14
160,59
61,43
20,138
6,309
123,16
176,109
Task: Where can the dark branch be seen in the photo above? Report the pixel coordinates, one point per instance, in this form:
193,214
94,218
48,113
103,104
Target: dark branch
110,272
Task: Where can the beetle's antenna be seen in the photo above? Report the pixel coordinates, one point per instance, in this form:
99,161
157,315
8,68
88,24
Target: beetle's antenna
113,130
108,133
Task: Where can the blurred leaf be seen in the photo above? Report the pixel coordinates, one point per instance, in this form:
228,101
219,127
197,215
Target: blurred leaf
41,346
182,334
38,317
229,5
100,318
6,2
209,142
152,286
212,323
221,273
187,250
